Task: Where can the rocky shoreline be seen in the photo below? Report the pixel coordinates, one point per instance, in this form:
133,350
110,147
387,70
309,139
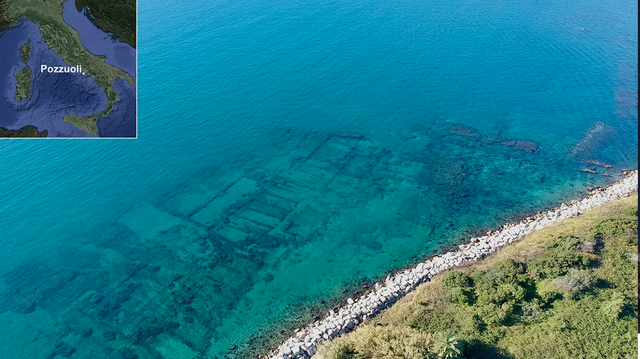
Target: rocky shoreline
386,292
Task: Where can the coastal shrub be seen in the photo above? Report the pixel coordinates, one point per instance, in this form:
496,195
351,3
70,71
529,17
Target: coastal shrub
556,262
461,296
566,242
504,271
509,292
511,271
613,307
618,269
618,227
574,282
494,314
447,346
456,279
506,282
485,283
432,320
532,312
510,309
449,318
547,291
375,342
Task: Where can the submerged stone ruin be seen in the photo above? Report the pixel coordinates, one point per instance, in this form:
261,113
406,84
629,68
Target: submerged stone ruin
201,270
305,342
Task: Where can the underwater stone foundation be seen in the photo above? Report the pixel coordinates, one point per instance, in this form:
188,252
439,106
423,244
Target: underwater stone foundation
305,342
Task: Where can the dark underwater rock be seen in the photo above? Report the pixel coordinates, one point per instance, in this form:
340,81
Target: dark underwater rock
183,298
109,335
527,146
86,332
170,325
63,349
30,284
126,353
144,333
132,269
463,130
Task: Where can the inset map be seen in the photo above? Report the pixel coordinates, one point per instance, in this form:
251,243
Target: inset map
68,68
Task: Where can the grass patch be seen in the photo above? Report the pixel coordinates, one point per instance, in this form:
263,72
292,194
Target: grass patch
567,291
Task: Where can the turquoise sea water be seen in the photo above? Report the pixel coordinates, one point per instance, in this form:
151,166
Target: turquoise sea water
289,152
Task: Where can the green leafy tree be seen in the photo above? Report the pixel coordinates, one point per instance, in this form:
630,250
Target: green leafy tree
456,279
447,346
613,307
557,262
461,296
547,291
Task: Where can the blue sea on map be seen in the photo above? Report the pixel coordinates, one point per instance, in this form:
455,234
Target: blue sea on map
53,96
121,122
290,152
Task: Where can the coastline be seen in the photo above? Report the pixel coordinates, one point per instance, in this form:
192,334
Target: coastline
303,344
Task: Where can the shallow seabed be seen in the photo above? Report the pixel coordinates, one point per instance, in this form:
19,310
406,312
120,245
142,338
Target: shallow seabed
266,242
291,152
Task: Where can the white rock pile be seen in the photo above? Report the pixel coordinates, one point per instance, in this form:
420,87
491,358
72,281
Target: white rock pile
305,342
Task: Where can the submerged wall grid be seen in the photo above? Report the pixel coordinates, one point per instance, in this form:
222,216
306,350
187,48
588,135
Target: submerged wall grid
305,342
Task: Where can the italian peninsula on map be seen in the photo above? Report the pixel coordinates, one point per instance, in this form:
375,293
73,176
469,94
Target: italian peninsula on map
68,68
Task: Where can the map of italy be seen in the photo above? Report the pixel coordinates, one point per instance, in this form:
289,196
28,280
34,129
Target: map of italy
68,68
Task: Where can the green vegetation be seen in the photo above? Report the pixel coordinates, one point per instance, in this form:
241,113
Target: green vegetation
65,41
567,291
87,123
25,51
24,76
374,342
115,16
27,131
4,22
23,83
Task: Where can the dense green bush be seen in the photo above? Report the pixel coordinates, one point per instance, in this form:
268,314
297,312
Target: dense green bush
532,312
505,283
461,295
446,346
618,227
493,314
547,291
613,307
574,295
566,242
557,262
455,279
